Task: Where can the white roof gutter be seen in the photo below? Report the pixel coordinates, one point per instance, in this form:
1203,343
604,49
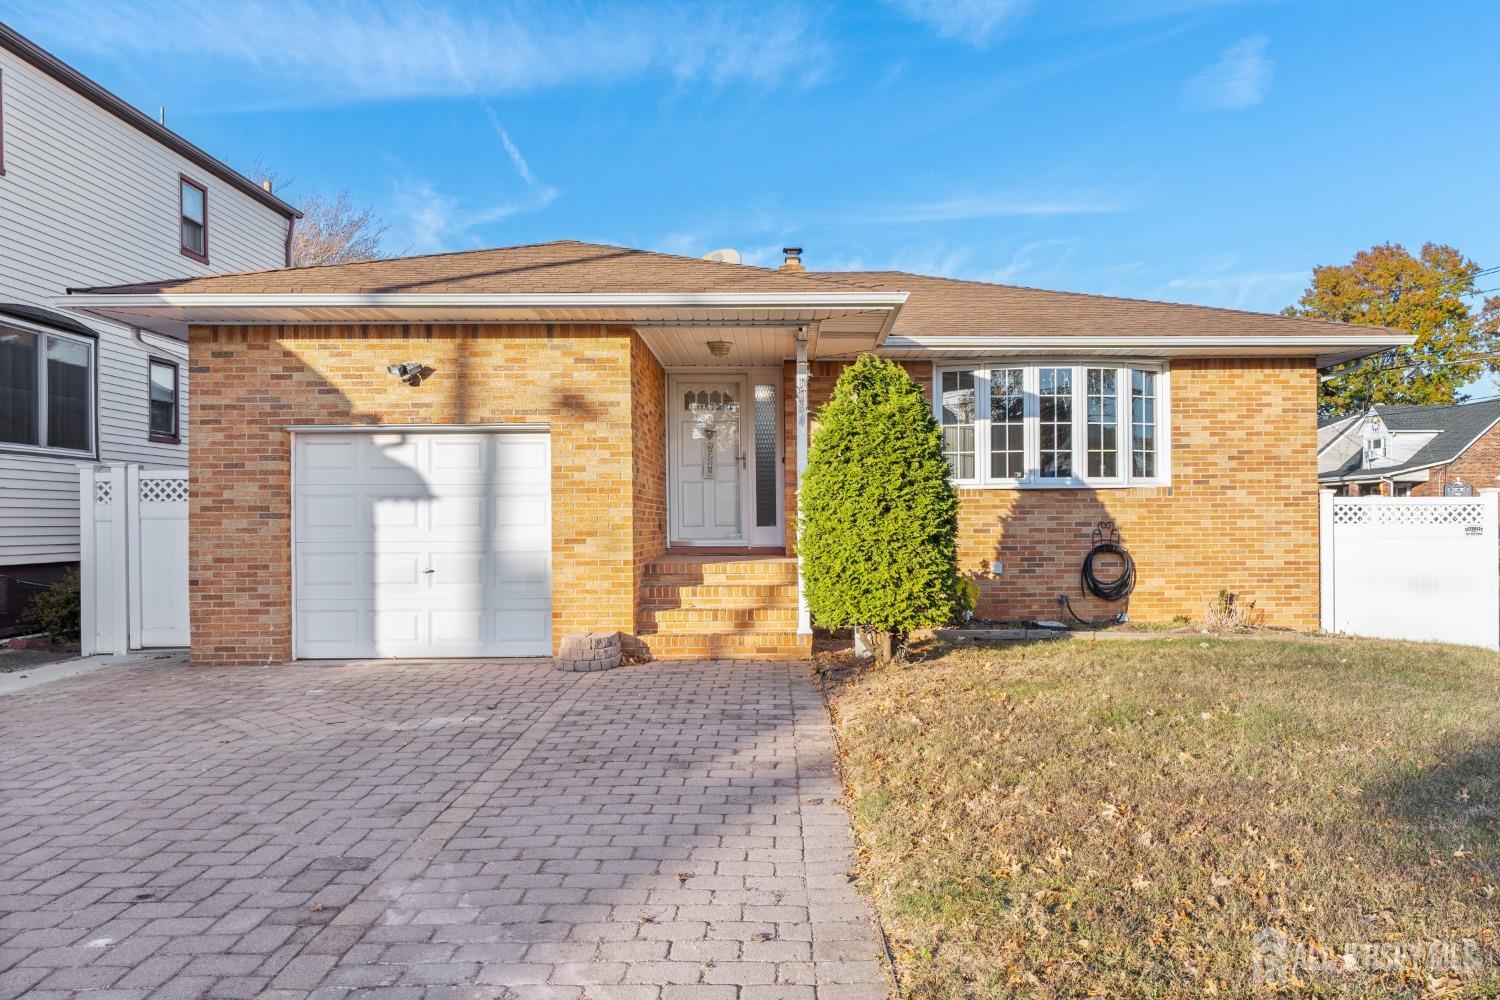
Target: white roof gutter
171,312
527,300
1326,348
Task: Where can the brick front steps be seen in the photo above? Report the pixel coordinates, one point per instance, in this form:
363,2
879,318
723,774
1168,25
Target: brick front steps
721,607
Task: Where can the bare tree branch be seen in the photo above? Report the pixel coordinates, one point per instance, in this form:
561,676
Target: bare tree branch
331,230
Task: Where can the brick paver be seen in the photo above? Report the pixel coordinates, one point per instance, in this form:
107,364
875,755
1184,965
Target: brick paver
428,830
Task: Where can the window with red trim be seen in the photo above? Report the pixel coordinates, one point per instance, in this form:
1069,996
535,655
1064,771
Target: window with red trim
162,396
194,208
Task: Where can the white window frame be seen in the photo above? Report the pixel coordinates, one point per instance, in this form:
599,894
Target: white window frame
43,332
1124,437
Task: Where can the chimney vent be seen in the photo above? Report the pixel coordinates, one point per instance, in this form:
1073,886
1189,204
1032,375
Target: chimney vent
793,260
265,185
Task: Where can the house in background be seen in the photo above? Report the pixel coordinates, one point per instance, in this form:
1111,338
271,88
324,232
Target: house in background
91,191
472,454
1415,451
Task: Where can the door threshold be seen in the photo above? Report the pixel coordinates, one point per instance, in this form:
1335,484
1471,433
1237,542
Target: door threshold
681,549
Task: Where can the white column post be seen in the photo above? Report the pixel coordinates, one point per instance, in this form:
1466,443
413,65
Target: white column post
1490,496
88,563
804,617
133,596
119,561
1325,560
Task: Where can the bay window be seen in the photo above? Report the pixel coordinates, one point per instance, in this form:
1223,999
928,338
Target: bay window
1055,420
46,391
1143,424
1008,424
1103,423
1052,424
957,411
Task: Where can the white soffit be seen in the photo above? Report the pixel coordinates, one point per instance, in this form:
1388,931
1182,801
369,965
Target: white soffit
1327,349
170,314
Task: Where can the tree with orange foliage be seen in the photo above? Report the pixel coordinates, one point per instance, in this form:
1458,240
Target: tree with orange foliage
1427,295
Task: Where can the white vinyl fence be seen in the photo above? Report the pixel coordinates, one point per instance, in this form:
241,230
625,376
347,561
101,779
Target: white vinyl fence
1421,569
134,559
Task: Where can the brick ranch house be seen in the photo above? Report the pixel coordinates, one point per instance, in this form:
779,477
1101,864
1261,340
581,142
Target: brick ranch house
1415,451
594,437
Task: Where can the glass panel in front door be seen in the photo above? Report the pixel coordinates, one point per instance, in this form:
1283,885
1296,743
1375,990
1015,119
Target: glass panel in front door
708,458
767,487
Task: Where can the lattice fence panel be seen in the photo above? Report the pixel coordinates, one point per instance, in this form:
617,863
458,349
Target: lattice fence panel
1381,512
164,490
104,491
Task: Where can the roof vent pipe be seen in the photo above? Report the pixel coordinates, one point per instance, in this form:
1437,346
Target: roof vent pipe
793,260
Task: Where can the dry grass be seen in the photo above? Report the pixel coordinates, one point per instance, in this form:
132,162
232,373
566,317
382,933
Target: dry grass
1121,818
1227,613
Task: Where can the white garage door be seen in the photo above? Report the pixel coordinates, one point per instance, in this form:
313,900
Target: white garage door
422,544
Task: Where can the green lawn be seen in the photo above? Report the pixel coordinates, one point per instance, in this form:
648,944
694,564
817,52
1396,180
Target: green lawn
1124,818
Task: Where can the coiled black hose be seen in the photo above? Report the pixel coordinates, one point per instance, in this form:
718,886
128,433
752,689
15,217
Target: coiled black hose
1107,590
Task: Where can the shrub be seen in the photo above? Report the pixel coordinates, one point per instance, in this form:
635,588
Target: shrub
57,611
878,515
966,597
1227,613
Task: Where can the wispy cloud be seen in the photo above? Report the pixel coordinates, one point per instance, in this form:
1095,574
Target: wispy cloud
975,22
1222,283
1238,79
1033,262
307,53
430,221
992,206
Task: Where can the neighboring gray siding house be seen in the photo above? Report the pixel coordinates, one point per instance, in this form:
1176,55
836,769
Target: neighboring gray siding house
1411,450
94,192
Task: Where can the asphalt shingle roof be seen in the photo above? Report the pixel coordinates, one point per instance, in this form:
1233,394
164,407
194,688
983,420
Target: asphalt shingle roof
956,308
1457,426
937,306
561,267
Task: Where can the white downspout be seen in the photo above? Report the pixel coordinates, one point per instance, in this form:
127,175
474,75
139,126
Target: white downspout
804,617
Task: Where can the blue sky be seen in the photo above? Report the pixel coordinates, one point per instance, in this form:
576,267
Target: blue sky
1190,150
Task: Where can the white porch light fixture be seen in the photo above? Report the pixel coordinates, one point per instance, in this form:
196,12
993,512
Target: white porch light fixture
718,348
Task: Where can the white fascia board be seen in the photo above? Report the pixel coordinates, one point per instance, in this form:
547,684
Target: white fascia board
1304,343
531,300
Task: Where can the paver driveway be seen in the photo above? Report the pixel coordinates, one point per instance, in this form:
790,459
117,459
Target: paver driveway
414,830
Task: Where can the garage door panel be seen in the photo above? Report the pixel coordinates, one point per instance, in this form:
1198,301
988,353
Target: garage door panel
327,569
458,513
461,457
451,626
333,626
375,513
326,459
392,458
462,571
395,571
321,513
394,513
396,627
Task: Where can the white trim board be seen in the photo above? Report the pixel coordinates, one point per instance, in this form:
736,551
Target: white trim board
416,428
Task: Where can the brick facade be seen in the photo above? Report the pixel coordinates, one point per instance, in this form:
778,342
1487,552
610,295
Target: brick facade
252,382
648,436
1241,513
1479,466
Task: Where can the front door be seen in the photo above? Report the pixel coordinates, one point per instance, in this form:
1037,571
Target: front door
708,461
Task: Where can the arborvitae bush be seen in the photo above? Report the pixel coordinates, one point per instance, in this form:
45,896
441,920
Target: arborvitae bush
56,611
879,516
